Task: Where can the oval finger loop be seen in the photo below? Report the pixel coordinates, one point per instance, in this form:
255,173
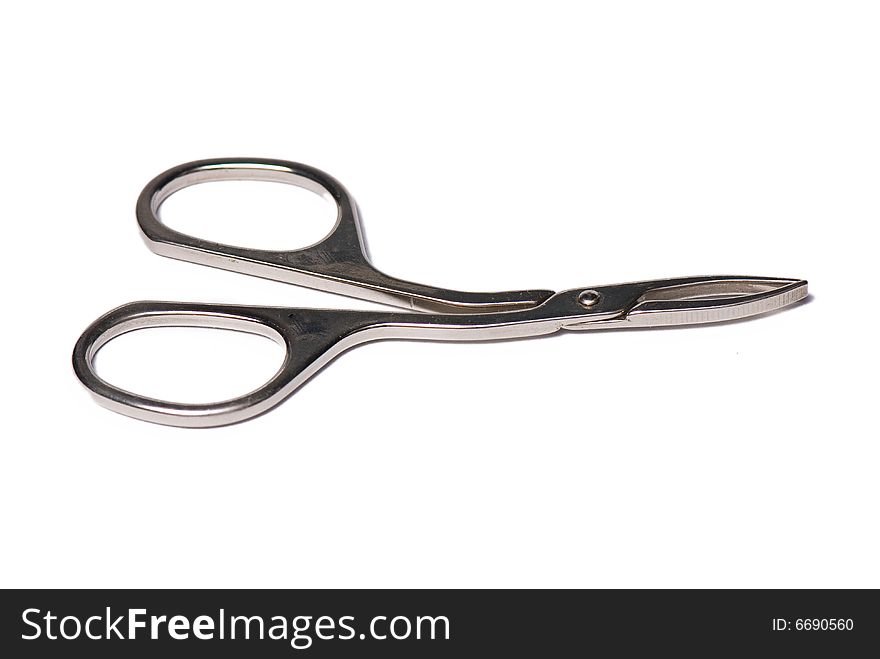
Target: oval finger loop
141,315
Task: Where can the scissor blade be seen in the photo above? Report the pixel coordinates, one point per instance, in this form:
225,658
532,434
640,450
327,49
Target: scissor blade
713,301
698,300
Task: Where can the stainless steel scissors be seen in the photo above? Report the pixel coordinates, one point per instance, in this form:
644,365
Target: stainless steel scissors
339,264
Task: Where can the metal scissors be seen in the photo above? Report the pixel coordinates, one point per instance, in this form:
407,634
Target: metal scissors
339,264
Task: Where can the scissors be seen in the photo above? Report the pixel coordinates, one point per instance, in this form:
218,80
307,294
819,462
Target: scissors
339,263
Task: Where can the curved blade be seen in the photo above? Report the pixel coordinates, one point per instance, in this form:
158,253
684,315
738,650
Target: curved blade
698,300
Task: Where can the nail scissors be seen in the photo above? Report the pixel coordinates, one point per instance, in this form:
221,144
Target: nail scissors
339,264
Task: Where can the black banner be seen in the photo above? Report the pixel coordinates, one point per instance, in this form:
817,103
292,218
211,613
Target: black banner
444,623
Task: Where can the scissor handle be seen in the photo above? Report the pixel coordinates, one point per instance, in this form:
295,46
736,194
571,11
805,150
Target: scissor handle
306,342
310,337
338,263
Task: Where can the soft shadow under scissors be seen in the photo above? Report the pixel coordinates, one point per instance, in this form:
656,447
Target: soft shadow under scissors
339,264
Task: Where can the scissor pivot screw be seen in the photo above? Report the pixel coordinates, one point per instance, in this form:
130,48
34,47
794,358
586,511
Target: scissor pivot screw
589,298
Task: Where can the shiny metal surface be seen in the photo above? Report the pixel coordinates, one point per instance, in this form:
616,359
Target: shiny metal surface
338,263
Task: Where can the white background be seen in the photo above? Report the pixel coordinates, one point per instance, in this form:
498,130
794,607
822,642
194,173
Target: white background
490,147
